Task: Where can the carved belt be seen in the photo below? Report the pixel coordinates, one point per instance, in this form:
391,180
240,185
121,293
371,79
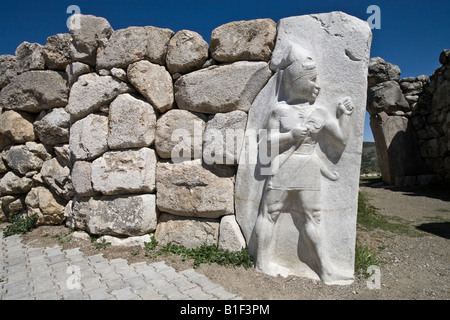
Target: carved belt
305,149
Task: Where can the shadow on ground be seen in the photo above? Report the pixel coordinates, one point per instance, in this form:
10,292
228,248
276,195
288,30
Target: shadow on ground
441,229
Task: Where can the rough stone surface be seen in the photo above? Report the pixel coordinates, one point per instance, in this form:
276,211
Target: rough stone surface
190,189
17,127
179,135
7,69
35,91
118,215
251,40
92,91
132,123
132,44
11,183
81,178
221,88
187,232
88,32
386,96
58,178
76,69
89,137
29,56
123,172
187,51
21,159
153,82
53,128
138,241
45,205
224,137
382,71
57,51
230,234
397,148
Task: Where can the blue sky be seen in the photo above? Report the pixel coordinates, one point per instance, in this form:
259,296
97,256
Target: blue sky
412,34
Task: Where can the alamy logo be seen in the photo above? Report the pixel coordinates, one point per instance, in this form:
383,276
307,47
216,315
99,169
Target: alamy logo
374,280
374,20
73,22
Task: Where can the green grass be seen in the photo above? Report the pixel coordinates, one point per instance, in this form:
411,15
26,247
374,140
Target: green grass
371,219
365,256
20,223
205,254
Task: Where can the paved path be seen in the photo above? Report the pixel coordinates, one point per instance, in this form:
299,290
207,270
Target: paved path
55,274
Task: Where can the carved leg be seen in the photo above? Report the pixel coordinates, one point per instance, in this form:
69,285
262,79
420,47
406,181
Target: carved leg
271,204
310,202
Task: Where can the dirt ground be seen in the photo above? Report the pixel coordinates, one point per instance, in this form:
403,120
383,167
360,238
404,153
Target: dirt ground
415,264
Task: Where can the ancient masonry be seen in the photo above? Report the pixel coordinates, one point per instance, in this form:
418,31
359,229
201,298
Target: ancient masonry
410,121
91,123
117,132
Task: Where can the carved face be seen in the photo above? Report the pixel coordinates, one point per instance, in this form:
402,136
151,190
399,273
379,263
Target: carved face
301,79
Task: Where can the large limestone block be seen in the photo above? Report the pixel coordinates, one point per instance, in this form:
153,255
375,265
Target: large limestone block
89,137
35,91
22,159
92,91
88,33
57,51
251,40
81,178
397,147
17,126
132,123
230,234
123,172
12,183
75,70
224,137
188,232
29,56
153,82
7,69
118,215
57,178
387,97
382,71
179,135
187,51
45,205
221,88
190,189
53,128
132,44
297,204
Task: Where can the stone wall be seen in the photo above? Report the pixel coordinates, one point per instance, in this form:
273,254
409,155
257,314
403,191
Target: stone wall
409,119
121,132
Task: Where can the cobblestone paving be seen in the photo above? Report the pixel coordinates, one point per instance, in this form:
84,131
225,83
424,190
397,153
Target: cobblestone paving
28,273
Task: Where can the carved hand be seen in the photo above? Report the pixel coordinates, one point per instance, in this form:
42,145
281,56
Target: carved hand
298,133
346,106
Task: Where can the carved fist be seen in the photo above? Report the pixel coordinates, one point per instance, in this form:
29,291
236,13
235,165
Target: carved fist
299,133
346,106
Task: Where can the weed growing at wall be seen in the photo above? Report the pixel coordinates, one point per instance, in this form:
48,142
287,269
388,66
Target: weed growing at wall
19,224
204,254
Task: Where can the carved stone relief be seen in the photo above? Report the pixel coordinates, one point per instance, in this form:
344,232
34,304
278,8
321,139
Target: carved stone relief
307,121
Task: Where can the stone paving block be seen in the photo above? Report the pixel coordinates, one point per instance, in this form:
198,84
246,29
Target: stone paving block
198,294
73,295
148,293
99,294
45,274
125,294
